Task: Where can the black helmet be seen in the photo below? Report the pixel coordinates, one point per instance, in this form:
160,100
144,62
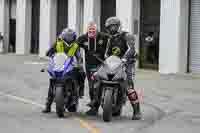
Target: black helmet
68,35
113,21
113,25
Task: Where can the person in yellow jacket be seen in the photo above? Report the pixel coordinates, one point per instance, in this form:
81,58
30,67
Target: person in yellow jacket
66,42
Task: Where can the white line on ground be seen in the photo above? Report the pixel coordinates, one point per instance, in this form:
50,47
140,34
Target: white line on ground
82,122
34,63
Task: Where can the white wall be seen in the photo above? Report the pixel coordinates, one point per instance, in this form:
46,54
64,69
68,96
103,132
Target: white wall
13,9
128,12
23,26
73,14
81,16
91,12
125,13
97,13
136,16
173,36
4,24
184,32
48,15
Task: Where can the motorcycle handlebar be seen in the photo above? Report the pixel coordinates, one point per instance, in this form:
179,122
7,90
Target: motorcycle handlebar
98,58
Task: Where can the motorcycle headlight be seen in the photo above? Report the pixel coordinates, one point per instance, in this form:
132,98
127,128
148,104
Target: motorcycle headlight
59,68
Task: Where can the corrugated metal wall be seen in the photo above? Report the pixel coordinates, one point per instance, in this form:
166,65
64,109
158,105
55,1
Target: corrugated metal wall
195,37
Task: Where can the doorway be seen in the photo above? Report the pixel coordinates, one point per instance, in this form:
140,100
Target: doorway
149,37
35,26
108,9
62,15
12,26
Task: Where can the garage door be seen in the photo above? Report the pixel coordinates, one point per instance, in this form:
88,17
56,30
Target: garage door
195,37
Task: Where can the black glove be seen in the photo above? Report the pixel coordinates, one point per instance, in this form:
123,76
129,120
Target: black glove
50,52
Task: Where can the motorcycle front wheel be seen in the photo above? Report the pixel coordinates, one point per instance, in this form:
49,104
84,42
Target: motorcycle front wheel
107,106
59,99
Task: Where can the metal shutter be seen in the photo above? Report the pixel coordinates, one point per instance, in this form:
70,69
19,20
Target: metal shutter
195,37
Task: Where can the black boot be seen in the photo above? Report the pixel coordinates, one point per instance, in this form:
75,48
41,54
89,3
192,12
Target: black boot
49,100
81,92
46,110
73,104
81,84
48,107
74,100
133,96
137,115
91,104
92,112
94,108
91,94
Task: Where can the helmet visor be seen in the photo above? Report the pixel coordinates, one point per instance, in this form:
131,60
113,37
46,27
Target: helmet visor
113,28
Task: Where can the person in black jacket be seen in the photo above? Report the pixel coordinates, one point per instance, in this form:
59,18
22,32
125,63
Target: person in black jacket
94,43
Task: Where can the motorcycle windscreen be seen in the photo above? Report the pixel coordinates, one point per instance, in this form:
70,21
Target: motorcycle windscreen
59,61
112,63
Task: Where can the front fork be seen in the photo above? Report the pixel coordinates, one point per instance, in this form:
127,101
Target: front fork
114,95
118,98
54,84
70,90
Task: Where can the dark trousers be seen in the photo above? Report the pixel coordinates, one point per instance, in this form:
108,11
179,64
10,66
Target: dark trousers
90,69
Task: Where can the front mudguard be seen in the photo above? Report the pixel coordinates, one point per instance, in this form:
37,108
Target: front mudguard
119,94
56,83
68,91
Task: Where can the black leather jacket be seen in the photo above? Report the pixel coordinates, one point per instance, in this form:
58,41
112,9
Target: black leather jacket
126,43
92,46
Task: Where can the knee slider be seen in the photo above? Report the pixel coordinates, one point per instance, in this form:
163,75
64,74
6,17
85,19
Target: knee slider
132,95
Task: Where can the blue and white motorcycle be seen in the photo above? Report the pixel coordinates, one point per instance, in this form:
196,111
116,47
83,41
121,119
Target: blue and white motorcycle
63,77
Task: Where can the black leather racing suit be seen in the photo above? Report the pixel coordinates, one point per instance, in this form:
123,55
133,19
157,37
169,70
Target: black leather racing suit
126,43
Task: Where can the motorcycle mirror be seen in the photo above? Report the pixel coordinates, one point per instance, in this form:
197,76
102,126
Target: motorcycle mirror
95,55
